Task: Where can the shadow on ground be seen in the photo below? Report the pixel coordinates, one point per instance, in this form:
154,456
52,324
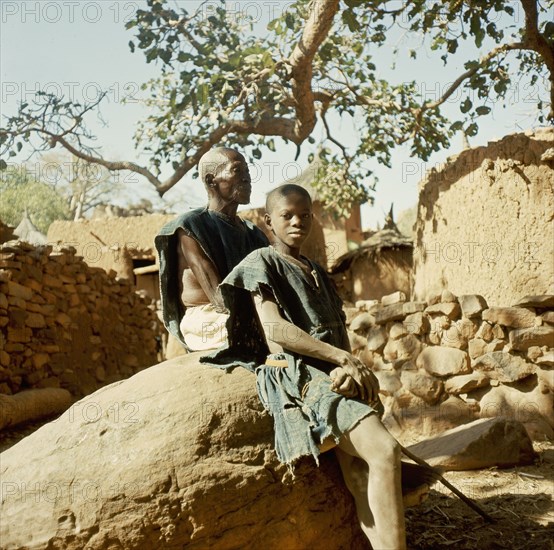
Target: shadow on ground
443,521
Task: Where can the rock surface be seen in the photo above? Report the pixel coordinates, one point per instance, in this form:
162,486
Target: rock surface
393,312
30,405
514,317
376,339
466,383
480,444
450,309
472,304
363,321
56,312
524,338
443,361
422,385
402,349
180,455
394,298
529,402
543,301
417,323
503,367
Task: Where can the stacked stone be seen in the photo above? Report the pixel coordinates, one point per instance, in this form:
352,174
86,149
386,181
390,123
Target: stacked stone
66,324
453,359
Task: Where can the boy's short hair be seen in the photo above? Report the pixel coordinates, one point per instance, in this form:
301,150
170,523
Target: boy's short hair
283,191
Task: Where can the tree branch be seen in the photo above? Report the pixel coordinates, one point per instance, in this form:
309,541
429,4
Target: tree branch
468,74
318,25
110,165
534,40
335,141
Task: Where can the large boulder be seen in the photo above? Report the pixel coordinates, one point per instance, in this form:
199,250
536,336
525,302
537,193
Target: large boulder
480,444
180,455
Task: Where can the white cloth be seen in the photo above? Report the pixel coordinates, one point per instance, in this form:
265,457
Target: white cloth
203,328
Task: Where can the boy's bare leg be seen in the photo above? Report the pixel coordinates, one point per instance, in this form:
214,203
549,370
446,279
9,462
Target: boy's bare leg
375,485
356,477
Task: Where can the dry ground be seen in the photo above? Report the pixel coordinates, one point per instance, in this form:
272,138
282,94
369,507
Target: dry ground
518,499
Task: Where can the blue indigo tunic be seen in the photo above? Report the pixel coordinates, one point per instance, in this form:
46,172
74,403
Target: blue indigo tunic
299,397
223,242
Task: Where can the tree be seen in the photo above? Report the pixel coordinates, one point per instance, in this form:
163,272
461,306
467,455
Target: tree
222,83
83,185
59,187
21,192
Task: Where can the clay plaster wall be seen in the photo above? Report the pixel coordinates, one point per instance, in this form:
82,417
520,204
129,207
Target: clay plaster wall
110,243
485,221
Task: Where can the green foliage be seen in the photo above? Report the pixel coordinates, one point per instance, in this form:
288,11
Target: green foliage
211,67
222,83
209,78
21,191
338,186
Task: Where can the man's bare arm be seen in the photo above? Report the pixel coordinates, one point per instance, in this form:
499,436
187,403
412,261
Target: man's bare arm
202,267
291,337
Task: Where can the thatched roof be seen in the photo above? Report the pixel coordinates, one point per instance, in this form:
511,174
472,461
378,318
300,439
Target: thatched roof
28,232
371,249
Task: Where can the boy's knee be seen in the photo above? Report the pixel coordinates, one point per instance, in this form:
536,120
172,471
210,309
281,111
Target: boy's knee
387,455
392,448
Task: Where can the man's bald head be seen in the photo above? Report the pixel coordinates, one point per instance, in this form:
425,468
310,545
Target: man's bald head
213,159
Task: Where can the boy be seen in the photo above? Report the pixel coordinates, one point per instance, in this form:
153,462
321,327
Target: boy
316,390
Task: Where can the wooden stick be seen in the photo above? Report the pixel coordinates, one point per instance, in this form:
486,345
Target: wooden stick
457,492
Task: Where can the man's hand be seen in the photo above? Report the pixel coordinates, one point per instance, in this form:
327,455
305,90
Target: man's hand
368,385
218,303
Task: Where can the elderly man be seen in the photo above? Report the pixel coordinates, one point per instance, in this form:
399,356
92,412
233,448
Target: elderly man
198,249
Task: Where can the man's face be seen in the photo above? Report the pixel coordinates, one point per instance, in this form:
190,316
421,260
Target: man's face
231,180
291,219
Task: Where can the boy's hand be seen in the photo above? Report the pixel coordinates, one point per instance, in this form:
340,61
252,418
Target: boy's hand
367,383
343,383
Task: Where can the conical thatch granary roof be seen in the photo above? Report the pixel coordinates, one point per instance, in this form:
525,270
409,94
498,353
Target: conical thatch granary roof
26,231
388,238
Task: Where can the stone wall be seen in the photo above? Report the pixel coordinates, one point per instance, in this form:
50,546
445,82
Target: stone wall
450,360
66,324
484,221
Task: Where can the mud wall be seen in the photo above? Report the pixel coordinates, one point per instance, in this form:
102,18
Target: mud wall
485,221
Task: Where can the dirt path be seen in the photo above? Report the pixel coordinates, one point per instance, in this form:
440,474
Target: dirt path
518,499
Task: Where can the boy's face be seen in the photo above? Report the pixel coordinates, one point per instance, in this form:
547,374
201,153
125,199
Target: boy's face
291,219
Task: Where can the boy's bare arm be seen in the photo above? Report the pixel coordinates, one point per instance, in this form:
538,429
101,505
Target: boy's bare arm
292,338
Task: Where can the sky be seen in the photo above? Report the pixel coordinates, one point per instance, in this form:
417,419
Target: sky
78,48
